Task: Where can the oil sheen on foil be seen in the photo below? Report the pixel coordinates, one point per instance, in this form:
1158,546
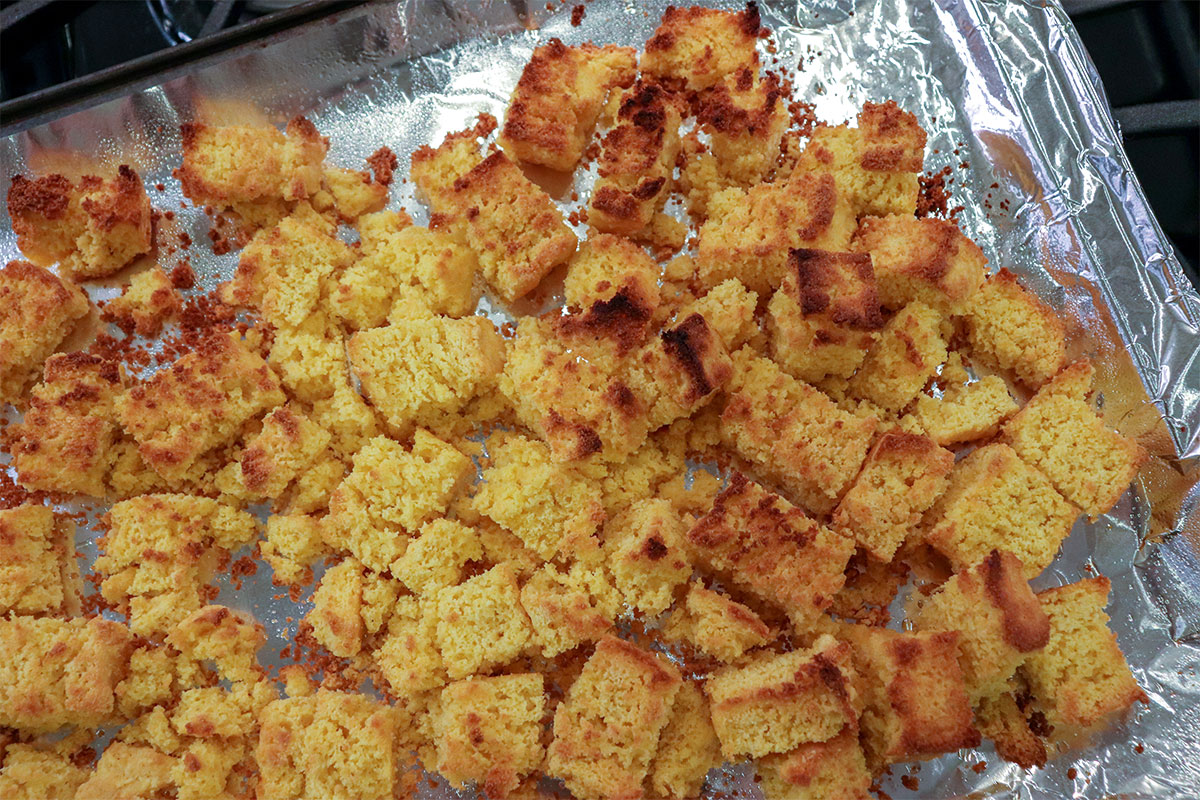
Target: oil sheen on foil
1013,107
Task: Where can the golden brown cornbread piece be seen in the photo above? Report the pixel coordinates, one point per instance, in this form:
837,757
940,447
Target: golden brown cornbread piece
33,772
408,656
1011,328
437,557
729,309
571,607
902,360
287,447
481,623
37,312
347,194
606,265
1003,721
871,586
228,638
903,475
965,412
292,544
695,48
830,770
38,571
607,728
716,624
687,748
335,618
146,303
647,554
1080,678
560,93
131,771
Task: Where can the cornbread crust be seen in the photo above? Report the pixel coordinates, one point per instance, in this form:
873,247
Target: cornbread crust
907,354
558,98
607,728
39,310
145,304
717,625
646,552
1010,328
688,747
830,770
694,48
38,571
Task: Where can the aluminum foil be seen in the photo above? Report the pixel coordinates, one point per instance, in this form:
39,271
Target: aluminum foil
1015,109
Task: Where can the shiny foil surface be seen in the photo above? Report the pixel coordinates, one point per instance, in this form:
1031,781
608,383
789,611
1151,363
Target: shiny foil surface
1012,105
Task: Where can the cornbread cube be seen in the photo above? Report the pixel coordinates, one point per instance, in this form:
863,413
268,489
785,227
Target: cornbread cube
999,620
825,315
903,475
38,572
129,771
925,259
481,623
436,170
871,586
436,558
607,265
749,233
286,448
688,746
336,618
157,674
1011,328
311,362
558,99
1080,678
90,228
915,704
544,503
419,371
39,310
728,308
647,554
293,543
408,656
31,772
65,441
1066,440
489,731
697,47
832,770
1003,721
145,304
212,712
681,370
906,355
60,672
637,160
966,413
778,702
567,609
792,433
230,639
351,193
997,502
390,493
607,728
716,624
326,745
771,549
197,405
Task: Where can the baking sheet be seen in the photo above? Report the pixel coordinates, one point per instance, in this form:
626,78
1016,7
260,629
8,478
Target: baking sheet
1003,87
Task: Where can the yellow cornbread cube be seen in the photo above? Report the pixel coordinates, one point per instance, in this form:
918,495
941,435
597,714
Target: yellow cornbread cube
567,609
558,99
965,412
830,770
335,618
1001,719
145,304
647,554
606,265
197,405
1060,435
926,259
90,228
697,47
771,549
489,731
60,672
65,441
680,370
228,638
287,447
408,657
436,558
293,543
716,624
418,371
903,475
38,312
777,702
1011,328
997,502
129,771
481,623
31,772
688,746
792,433
38,572
1080,678
825,314
607,728
728,308
903,358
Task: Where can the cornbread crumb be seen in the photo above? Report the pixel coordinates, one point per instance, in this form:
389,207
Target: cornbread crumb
966,412
39,310
436,558
335,618
349,193
1010,328
687,748
146,303
696,47
716,624
906,355
831,770
871,586
647,554
481,623
38,571
567,609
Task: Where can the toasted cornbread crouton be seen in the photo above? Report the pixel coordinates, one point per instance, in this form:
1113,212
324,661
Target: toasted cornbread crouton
33,772
436,558
997,502
544,503
481,623
390,493
637,160
825,315
38,572
1011,328
38,312
606,265
65,441
436,169
198,405
681,370
90,228
908,352
607,728
287,447
687,748
230,639
408,656
697,47
326,745
927,259
1003,721
792,433
966,412
915,705
60,672
831,770
728,308
567,609
558,99
420,371
749,233
335,618
903,475
145,304
777,702
999,620
293,543
717,625
771,549
647,554
1080,678
489,731
1065,439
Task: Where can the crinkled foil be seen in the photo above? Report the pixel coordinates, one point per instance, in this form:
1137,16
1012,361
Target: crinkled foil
1013,106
